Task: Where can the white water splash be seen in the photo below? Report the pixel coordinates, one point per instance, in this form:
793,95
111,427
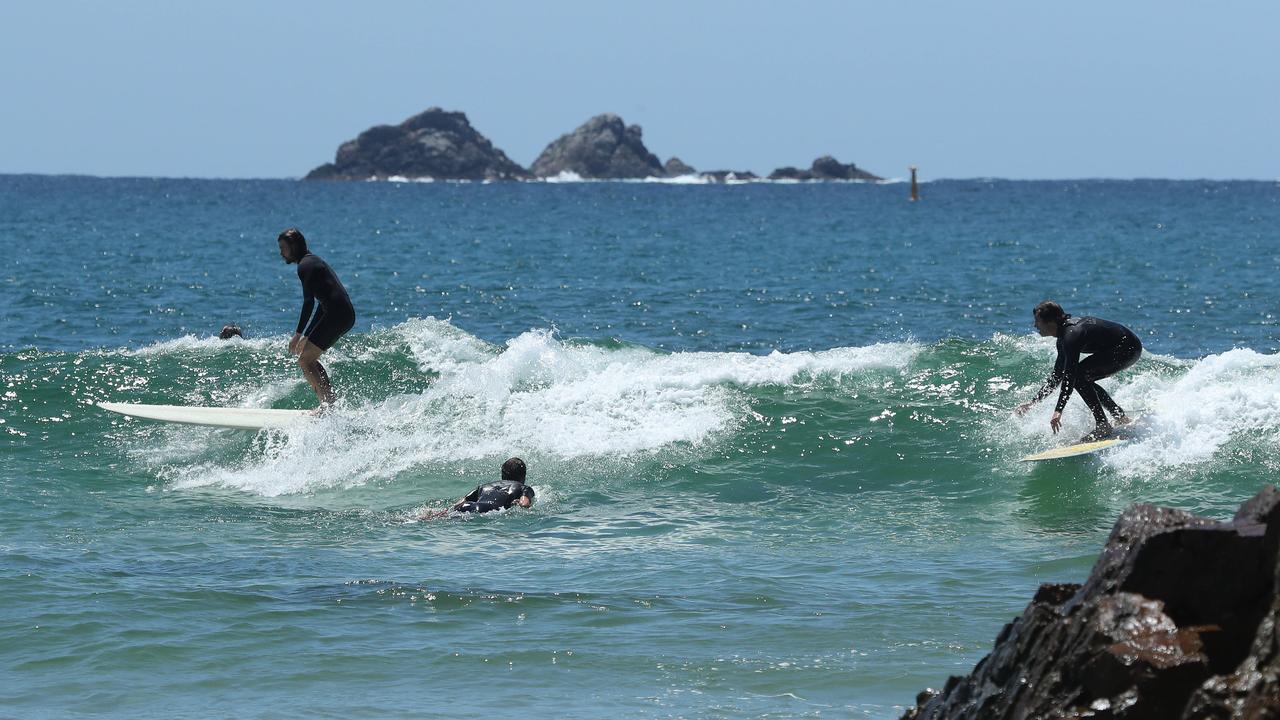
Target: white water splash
537,397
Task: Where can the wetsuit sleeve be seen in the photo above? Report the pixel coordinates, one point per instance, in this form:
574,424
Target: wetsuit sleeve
528,492
1068,359
1051,382
308,300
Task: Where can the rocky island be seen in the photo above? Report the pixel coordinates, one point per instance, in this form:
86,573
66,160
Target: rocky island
434,144
442,145
603,147
825,168
1180,618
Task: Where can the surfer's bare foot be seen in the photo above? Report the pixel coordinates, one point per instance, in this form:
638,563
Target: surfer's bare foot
1124,420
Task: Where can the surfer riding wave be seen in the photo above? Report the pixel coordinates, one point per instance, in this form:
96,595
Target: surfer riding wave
1111,347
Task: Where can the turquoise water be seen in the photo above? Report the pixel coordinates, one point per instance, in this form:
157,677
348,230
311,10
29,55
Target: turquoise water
769,426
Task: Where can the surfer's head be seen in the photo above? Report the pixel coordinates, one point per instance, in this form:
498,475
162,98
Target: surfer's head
292,245
230,331
514,470
1049,316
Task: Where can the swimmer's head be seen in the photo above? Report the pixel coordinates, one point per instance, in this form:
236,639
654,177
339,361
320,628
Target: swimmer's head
230,331
514,470
292,245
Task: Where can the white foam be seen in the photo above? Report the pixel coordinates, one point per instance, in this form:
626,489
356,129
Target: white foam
1189,418
1189,410
690,179
565,176
207,343
539,398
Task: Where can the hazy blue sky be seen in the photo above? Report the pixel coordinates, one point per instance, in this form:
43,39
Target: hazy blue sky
1005,88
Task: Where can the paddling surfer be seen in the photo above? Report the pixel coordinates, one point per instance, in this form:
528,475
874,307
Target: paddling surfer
1111,346
510,491
333,315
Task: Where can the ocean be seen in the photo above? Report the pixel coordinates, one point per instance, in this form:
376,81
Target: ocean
769,425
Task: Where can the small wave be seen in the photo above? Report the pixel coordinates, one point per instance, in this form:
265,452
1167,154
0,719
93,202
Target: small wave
538,397
1190,418
1190,410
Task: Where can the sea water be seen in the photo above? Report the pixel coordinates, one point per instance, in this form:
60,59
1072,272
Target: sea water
769,426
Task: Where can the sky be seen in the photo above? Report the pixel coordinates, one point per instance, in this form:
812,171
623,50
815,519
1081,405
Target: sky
988,88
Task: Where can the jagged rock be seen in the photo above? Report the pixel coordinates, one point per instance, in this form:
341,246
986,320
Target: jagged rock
1178,619
601,148
729,175
675,167
434,144
824,168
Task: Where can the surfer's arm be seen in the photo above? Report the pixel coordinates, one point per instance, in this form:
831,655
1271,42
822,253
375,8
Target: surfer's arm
308,304
1049,385
1070,361
305,270
295,343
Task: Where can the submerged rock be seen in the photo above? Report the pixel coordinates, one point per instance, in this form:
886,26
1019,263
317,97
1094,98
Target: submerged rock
601,148
1178,619
435,144
824,168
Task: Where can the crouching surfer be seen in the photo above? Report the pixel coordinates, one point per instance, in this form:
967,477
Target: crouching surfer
1111,347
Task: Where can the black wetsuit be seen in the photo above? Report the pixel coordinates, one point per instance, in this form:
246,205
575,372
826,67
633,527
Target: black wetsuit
335,316
1112,347
494,496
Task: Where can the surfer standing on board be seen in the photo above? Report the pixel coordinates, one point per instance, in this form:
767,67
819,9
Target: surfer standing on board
333,316
1112,347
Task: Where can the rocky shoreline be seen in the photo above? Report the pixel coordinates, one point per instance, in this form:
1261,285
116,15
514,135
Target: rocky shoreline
1179,618
442,145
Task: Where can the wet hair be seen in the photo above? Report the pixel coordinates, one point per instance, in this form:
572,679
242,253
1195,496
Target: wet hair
230,331
297,243
513,469
1050,311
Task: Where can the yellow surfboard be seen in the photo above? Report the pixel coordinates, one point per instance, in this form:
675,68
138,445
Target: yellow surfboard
1073,450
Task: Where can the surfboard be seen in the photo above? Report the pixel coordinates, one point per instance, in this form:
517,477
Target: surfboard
1073,450
224,417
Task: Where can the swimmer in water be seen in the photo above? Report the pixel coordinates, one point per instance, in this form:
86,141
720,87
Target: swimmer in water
1111,347
507,492
333,316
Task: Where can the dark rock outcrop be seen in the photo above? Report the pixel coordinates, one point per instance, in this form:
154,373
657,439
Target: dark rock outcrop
675,167
824,168
1180,618
434,144
721,176
601,148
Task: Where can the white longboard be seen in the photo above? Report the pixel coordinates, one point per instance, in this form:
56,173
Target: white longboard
225,417
1073,450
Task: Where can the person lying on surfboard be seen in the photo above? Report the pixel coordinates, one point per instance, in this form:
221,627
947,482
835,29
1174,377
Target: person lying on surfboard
508,491
333,316
1111,346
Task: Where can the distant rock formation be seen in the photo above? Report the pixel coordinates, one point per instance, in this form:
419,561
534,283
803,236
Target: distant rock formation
1180,618
721,176
434,144
824,168
675,167
601,148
